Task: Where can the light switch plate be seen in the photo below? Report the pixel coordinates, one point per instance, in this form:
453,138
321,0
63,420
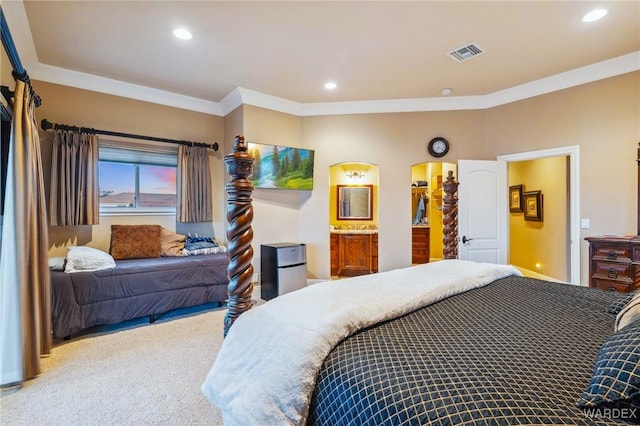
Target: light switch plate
584,224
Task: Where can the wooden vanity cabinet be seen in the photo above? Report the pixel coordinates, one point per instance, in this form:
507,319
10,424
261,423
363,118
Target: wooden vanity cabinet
420,249
354,254
334,247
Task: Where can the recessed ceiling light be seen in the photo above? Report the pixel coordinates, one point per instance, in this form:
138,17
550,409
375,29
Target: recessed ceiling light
330,85
182,34
594,15
446,91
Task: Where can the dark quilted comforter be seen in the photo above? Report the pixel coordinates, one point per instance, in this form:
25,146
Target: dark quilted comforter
518,351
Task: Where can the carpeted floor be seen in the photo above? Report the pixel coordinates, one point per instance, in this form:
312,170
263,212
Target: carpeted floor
133,374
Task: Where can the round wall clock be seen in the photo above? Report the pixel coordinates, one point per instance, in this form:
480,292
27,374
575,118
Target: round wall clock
438,147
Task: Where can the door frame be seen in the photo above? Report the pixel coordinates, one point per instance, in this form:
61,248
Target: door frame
573,152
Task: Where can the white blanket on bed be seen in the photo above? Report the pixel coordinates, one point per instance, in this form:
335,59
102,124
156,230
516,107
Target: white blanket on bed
266,369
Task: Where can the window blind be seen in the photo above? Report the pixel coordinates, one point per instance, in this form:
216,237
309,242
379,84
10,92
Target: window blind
138,153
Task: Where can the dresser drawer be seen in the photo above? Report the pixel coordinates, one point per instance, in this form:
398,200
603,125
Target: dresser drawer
612,270
611,285
611,252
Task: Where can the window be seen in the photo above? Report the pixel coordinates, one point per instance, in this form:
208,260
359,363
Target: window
136,178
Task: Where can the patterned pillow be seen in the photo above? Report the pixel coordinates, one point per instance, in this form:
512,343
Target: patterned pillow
615,382
628,314
617,306
208,250
135,241
196,243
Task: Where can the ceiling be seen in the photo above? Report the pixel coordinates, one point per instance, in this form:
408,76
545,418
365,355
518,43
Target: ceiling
283,52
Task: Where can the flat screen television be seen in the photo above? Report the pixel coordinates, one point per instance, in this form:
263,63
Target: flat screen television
281,167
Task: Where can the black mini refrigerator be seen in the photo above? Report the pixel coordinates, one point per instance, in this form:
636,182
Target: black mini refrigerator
283,269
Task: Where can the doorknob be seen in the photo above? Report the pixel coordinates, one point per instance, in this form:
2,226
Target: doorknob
465,239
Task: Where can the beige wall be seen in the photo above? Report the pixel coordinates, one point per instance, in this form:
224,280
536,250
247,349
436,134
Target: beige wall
602,118
5,71
276,212
66,105
543,243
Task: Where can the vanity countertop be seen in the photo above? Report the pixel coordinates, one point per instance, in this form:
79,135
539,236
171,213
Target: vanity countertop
354,231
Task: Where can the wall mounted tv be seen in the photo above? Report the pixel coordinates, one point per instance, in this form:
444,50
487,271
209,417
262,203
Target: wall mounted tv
281,167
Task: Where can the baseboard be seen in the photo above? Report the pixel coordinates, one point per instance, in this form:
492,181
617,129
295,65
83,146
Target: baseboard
533,274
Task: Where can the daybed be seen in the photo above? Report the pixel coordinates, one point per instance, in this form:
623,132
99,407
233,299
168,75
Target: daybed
446,343
135,287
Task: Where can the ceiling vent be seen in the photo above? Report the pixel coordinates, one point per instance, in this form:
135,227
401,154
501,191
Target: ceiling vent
466,52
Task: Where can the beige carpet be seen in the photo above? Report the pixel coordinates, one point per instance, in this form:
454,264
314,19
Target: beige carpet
141,374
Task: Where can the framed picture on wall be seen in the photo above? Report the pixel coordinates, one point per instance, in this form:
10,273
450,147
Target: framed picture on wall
515,198
532,201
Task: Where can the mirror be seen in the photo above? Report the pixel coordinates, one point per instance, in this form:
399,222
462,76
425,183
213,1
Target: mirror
354,202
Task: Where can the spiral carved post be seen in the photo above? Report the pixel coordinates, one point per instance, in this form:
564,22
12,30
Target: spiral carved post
450,217
239,233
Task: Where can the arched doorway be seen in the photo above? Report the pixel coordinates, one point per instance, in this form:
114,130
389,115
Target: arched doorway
426,210
353,219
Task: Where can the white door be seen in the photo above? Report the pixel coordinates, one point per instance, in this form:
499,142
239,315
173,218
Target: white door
482,211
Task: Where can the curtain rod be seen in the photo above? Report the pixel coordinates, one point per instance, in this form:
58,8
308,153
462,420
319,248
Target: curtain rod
19,73
46,125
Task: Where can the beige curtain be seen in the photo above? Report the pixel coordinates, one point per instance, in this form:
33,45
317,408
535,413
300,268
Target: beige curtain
194,184
74,179
25,296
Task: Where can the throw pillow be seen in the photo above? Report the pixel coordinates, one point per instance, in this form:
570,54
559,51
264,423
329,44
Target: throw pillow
617,306
171,244
197,243
86,259
616,378
207,250
135,241
629,313
57,263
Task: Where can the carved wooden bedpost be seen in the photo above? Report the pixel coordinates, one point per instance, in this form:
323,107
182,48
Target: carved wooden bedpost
450,217
239,233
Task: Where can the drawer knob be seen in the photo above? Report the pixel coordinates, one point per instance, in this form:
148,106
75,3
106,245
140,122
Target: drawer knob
612,273
612,255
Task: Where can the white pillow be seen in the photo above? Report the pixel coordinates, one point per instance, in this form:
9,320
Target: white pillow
56,263
86,259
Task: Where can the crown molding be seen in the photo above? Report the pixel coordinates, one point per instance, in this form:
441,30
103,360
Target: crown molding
17,19
109,86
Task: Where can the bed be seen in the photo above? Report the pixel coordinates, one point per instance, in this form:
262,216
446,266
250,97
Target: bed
135,288
148,271
445,343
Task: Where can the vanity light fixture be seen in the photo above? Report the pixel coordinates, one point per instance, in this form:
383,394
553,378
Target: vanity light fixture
594,15
182,34
355,175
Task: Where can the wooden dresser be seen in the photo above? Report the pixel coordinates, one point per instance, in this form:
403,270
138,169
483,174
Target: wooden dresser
420,252
354,254
614,263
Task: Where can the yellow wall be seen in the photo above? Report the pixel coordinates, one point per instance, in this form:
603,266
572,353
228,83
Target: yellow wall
545,242
339,177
